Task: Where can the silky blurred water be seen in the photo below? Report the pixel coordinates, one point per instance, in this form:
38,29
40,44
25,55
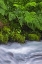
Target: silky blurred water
15,53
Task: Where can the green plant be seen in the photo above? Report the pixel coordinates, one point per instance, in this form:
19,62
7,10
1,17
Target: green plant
3,7
33,20
1,37
5,38
16,36
20,38
30,6
16,13
33,37
6,30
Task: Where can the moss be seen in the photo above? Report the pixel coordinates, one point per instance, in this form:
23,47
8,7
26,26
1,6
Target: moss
3,38
33,37
17,37
20,38
6,30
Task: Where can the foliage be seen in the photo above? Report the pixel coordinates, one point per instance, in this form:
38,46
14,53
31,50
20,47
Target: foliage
16,36
6,30
3,38
33,20
16,13
33,37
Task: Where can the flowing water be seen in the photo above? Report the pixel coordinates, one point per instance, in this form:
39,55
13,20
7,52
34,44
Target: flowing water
15,53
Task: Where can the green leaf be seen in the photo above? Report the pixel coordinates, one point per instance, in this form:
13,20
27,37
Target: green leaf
40,4
16,5
11,16
31,4
29,17
2,4
2,11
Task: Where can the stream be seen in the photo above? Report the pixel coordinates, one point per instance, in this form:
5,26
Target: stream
15,53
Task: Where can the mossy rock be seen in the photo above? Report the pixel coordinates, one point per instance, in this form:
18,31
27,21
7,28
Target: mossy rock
6,30
3,38
33,37
20,38
17,37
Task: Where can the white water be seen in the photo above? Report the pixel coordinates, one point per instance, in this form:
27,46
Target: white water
15,53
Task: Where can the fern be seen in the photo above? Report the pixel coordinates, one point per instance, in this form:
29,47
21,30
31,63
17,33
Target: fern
11,16
3,7
12,9
31,4
2,4
2,11
33,20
